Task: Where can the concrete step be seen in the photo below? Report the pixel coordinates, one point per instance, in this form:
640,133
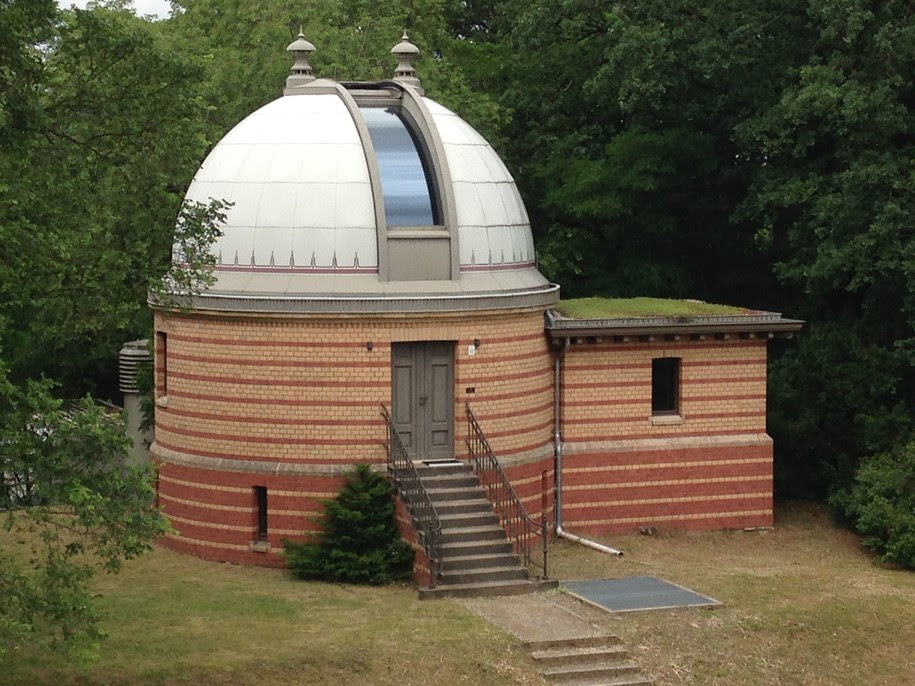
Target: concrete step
581,642
493,588
590,673
484,575
477,561
465,519
557,657
469,505
443,468
457,549
458,534
443,495
449,480
621,680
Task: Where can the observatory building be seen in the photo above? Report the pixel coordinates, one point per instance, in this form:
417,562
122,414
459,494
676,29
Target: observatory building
376,282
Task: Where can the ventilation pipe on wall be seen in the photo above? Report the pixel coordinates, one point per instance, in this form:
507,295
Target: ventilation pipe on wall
557,448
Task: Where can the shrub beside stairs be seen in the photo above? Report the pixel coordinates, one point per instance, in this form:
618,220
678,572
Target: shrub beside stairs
477,556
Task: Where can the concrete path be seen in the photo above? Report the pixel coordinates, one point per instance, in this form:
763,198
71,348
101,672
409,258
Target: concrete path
537,617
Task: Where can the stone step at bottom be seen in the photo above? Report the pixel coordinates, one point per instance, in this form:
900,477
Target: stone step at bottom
622,680
557,657
499,559
574,675
484,574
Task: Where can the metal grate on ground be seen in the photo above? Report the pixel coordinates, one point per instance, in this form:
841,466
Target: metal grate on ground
636,593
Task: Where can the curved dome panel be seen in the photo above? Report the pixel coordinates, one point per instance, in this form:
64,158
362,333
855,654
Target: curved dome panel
494,229
297,174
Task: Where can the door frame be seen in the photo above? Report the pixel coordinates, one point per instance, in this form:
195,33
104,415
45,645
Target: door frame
423,396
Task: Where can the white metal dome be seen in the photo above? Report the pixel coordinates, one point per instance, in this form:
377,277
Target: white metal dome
297,174
316,179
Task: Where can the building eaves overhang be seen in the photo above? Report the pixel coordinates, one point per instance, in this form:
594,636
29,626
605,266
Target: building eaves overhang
418,302
768,324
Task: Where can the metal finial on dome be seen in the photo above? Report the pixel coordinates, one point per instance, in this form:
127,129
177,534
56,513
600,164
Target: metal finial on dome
405,52
301,69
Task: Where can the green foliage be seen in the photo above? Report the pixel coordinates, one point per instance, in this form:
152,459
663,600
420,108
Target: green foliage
68,489
836,397
359,542
191,268
353,40
90,190
27,24
881,504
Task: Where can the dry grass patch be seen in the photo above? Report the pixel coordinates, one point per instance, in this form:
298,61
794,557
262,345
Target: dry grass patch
174,619
803,605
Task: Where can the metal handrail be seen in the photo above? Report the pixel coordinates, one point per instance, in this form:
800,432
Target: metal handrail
410,489
518,524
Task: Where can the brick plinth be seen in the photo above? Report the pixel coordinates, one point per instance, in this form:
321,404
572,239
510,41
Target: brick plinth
619,488
214,513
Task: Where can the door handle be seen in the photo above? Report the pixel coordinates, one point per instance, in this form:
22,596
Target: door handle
423,399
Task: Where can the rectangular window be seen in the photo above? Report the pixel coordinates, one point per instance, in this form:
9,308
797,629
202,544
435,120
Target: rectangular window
161,364
665,385
260,499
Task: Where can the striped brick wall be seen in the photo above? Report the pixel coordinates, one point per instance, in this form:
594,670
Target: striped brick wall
291,403
708,468
533,482
214,513
422,574
271,402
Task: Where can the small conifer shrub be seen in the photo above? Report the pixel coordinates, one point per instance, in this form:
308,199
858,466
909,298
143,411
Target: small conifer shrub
359,542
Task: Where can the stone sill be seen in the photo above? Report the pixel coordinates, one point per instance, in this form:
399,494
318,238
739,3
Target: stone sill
665,419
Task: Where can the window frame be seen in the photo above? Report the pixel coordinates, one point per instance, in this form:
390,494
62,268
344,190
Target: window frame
261,520
666,386
161,367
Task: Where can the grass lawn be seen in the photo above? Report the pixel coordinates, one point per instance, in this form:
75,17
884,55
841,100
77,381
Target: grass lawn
174,619
622,308
803,604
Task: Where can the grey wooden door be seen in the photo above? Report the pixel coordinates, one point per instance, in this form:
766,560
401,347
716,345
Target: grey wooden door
422,397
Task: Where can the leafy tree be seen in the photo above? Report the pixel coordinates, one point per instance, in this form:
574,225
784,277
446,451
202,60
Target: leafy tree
359,542
832,199
27,24
353,40
90,191
69,496
622,121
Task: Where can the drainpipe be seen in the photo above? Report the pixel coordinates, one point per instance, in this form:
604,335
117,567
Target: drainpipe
557,449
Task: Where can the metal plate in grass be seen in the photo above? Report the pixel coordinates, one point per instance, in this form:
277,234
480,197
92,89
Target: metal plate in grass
636,593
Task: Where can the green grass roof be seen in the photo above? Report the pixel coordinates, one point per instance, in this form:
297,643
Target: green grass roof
624,308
